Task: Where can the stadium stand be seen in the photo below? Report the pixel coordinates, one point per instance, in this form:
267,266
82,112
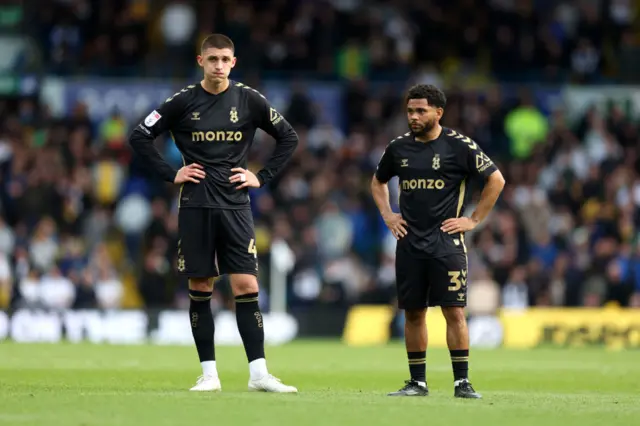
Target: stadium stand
84,225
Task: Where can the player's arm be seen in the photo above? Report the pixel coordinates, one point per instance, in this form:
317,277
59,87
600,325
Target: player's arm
479,164
380,193
269,120
142,140
494,184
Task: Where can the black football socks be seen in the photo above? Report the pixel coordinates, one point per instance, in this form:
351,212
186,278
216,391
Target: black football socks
418,366
460,363
202,326
250,326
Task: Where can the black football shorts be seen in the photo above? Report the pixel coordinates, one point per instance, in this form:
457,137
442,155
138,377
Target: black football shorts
424,282
216,241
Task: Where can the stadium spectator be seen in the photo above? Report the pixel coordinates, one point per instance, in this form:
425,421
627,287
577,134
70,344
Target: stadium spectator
80,218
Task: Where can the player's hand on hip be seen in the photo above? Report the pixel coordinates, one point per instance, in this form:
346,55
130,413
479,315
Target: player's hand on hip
459,224
191,173
245,178
396,224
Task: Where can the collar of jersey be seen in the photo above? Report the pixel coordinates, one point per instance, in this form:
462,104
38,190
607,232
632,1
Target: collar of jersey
214,94
432,140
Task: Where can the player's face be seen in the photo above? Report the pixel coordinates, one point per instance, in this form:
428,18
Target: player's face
422,117
216,63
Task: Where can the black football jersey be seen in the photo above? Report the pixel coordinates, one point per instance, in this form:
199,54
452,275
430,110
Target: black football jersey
215,131
433,179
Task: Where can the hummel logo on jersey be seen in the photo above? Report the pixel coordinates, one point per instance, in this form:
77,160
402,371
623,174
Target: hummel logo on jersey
471,144
436,162
483,162
233,115
195,116
405,162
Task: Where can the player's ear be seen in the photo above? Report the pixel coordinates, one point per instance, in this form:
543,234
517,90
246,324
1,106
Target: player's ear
233,62
439,112
200,59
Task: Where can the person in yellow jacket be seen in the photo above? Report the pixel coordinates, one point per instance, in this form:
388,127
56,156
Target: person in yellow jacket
526,127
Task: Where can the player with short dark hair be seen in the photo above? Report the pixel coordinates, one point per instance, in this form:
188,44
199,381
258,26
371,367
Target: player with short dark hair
434,165
213,124
217,41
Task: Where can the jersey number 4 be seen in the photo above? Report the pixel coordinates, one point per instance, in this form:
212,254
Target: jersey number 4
252,248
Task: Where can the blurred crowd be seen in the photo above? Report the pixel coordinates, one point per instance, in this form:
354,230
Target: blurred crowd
89,223
533,40
84,224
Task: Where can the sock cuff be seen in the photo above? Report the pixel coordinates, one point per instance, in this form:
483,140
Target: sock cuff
247,298
417,358
200,296
459,355
459,352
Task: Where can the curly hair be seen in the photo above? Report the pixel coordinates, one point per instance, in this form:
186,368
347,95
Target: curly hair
434,96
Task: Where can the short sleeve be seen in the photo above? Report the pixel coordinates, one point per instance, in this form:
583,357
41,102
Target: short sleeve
479,163
385,170
164,118
265,116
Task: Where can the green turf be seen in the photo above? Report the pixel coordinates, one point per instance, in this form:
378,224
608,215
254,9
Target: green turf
133,385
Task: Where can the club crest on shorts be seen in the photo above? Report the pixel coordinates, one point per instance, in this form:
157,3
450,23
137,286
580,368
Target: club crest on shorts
233,115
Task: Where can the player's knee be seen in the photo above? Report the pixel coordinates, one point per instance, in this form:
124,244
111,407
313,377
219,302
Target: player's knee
454,315
201,284
244,284
415,318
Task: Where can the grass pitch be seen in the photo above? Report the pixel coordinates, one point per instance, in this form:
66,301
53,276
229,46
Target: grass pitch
88,385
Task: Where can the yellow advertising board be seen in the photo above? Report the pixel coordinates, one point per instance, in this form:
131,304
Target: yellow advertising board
611,327
614,328
371,325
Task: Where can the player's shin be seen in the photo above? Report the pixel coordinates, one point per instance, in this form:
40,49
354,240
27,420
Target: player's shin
458,342
203,329
415,337
250,326
416,344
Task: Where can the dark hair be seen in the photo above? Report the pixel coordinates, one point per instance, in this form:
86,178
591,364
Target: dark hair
217,41
434,96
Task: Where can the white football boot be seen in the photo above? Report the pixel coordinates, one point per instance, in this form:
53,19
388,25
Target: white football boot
269,383
207,384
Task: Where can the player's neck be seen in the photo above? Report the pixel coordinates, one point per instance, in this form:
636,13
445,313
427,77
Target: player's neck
431,135
215,87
